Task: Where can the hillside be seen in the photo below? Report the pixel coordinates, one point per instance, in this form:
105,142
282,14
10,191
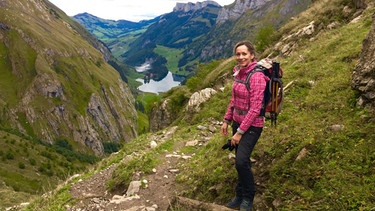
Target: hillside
62,105
319,157
49,66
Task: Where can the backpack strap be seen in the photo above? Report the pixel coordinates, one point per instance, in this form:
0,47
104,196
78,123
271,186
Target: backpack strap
262,69
257,68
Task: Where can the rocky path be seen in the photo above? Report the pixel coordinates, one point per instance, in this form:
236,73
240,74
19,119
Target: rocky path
154,191
157,193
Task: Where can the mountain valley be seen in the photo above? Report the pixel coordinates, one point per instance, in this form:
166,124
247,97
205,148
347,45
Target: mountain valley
76,134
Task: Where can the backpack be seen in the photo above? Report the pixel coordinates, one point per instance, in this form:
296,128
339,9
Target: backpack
273,93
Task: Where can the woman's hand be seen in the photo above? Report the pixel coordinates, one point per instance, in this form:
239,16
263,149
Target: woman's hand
224,129
236,139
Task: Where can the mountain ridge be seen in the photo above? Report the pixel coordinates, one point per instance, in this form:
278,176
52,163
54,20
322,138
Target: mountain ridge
196,47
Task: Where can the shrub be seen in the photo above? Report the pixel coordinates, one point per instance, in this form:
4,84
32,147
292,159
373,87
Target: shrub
110,147
32,161
9,155
21,165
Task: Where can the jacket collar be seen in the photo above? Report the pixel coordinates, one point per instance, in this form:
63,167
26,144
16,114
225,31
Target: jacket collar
244,70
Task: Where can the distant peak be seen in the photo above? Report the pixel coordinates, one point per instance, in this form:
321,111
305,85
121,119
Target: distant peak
186,7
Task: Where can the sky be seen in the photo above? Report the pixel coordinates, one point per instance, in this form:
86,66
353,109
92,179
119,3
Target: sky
131,10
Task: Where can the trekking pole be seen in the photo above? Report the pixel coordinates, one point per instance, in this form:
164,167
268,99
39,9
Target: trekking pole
273,103
275,91
276,102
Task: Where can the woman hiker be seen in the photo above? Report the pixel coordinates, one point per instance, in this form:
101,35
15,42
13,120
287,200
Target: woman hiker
247,124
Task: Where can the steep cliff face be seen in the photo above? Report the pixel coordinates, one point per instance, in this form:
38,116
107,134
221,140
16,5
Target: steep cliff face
363,78
54,84
235,10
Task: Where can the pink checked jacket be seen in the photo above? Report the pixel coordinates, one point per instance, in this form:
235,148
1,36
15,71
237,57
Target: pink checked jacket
245,106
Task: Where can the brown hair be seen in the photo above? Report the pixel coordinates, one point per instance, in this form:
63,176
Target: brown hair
249,46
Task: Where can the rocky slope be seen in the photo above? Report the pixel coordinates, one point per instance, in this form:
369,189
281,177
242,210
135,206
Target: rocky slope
363,79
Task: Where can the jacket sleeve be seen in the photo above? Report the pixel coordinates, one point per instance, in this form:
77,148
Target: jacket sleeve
229,114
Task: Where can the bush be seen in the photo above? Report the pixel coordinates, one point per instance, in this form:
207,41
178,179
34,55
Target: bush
9,155
32,161
21,165
110,147
63,144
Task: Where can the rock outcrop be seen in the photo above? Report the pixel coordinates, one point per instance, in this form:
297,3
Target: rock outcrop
161,116
289,44
198,98
359,4
164,114
363,78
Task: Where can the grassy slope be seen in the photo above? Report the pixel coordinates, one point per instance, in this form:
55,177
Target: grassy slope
337,172
81,69
339,163
120,45
30,167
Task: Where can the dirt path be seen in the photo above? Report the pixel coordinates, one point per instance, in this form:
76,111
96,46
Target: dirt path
161,187
157,195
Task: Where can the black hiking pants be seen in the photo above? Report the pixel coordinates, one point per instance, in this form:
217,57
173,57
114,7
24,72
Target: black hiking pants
246,186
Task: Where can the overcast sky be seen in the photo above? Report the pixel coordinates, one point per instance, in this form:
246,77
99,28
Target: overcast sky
132,10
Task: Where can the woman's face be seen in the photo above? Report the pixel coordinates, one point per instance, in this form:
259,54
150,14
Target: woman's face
243,56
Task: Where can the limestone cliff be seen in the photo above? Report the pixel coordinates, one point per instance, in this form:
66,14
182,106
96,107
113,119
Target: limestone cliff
186,7
235,10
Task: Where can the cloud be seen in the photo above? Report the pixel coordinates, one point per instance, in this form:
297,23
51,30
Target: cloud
132,10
